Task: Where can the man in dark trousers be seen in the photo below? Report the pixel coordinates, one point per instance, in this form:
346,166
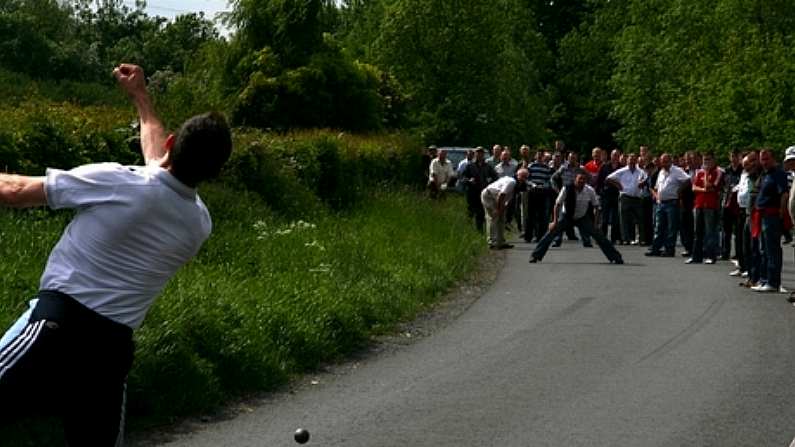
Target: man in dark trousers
134,227
575,201
477,176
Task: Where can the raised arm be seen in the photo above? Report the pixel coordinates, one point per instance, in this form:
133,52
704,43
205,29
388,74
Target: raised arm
153,134
20,191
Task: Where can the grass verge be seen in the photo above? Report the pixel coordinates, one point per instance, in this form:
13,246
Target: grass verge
266,297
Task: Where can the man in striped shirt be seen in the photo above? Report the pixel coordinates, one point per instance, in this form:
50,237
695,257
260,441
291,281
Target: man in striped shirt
539,198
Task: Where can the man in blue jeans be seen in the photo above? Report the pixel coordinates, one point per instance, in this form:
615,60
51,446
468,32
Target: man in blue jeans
575,200
670,181
771,204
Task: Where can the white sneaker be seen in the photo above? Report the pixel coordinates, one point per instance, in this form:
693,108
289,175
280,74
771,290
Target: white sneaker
736,273
709,261
736,262
764,288
781,289
744,275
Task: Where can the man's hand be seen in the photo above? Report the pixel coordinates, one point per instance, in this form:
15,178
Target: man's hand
552,225
131,79
153,135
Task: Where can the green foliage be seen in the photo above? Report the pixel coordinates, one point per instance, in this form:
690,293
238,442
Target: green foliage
330,91
706,75
37,135
469,68
267,296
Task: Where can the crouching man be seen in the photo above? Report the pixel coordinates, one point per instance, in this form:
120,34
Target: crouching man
575,201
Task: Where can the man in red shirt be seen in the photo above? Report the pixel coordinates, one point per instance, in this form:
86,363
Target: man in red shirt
706,188
594,165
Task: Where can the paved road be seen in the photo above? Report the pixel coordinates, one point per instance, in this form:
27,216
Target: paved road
569,352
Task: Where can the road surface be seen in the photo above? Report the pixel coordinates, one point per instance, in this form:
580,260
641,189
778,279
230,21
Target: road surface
569,352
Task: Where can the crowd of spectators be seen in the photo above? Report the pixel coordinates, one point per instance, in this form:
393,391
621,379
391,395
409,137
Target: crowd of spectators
741,211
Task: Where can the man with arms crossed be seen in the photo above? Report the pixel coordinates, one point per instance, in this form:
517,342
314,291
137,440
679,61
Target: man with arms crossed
134,227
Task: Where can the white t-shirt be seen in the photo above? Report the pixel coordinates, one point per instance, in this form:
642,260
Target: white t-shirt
134,228
502,185
629,180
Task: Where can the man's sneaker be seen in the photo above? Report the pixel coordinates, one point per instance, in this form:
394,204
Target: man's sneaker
744,275
736,262
781,289
709,261
505,246
685,254
692,261
534,260
764,288
652,253
668,254
736,273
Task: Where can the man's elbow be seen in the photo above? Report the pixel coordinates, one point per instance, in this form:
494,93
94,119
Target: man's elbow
23,192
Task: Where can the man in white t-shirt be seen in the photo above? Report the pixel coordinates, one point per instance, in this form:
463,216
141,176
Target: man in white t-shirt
134,227
495,198
440,174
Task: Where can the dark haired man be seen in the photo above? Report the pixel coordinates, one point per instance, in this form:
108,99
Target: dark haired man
134,227
771,206
574,201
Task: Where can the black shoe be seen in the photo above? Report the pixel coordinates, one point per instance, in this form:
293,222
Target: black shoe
618,261
505,246
534,260
652,253
668,254
556,244
493,247
587,245
529,241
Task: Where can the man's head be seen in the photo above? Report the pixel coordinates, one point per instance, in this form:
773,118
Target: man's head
496,150
505,156
432,151
596,154
560,146
200,148
789,158
615,157
632,160
574,159
735,158
470,154
709,160
442,155
521,175
665,161
524,151
580,180
644,151
540,156
766,159
480,153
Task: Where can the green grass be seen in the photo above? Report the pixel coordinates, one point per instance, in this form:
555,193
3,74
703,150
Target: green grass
267,298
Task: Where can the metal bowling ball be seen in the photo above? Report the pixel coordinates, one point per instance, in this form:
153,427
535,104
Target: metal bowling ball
301,436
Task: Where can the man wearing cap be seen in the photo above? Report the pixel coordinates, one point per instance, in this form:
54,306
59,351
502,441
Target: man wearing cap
495,198
477,175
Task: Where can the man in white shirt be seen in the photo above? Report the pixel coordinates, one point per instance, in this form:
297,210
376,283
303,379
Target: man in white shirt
630,180
575,210
441,172
495,198
134,227
670,181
